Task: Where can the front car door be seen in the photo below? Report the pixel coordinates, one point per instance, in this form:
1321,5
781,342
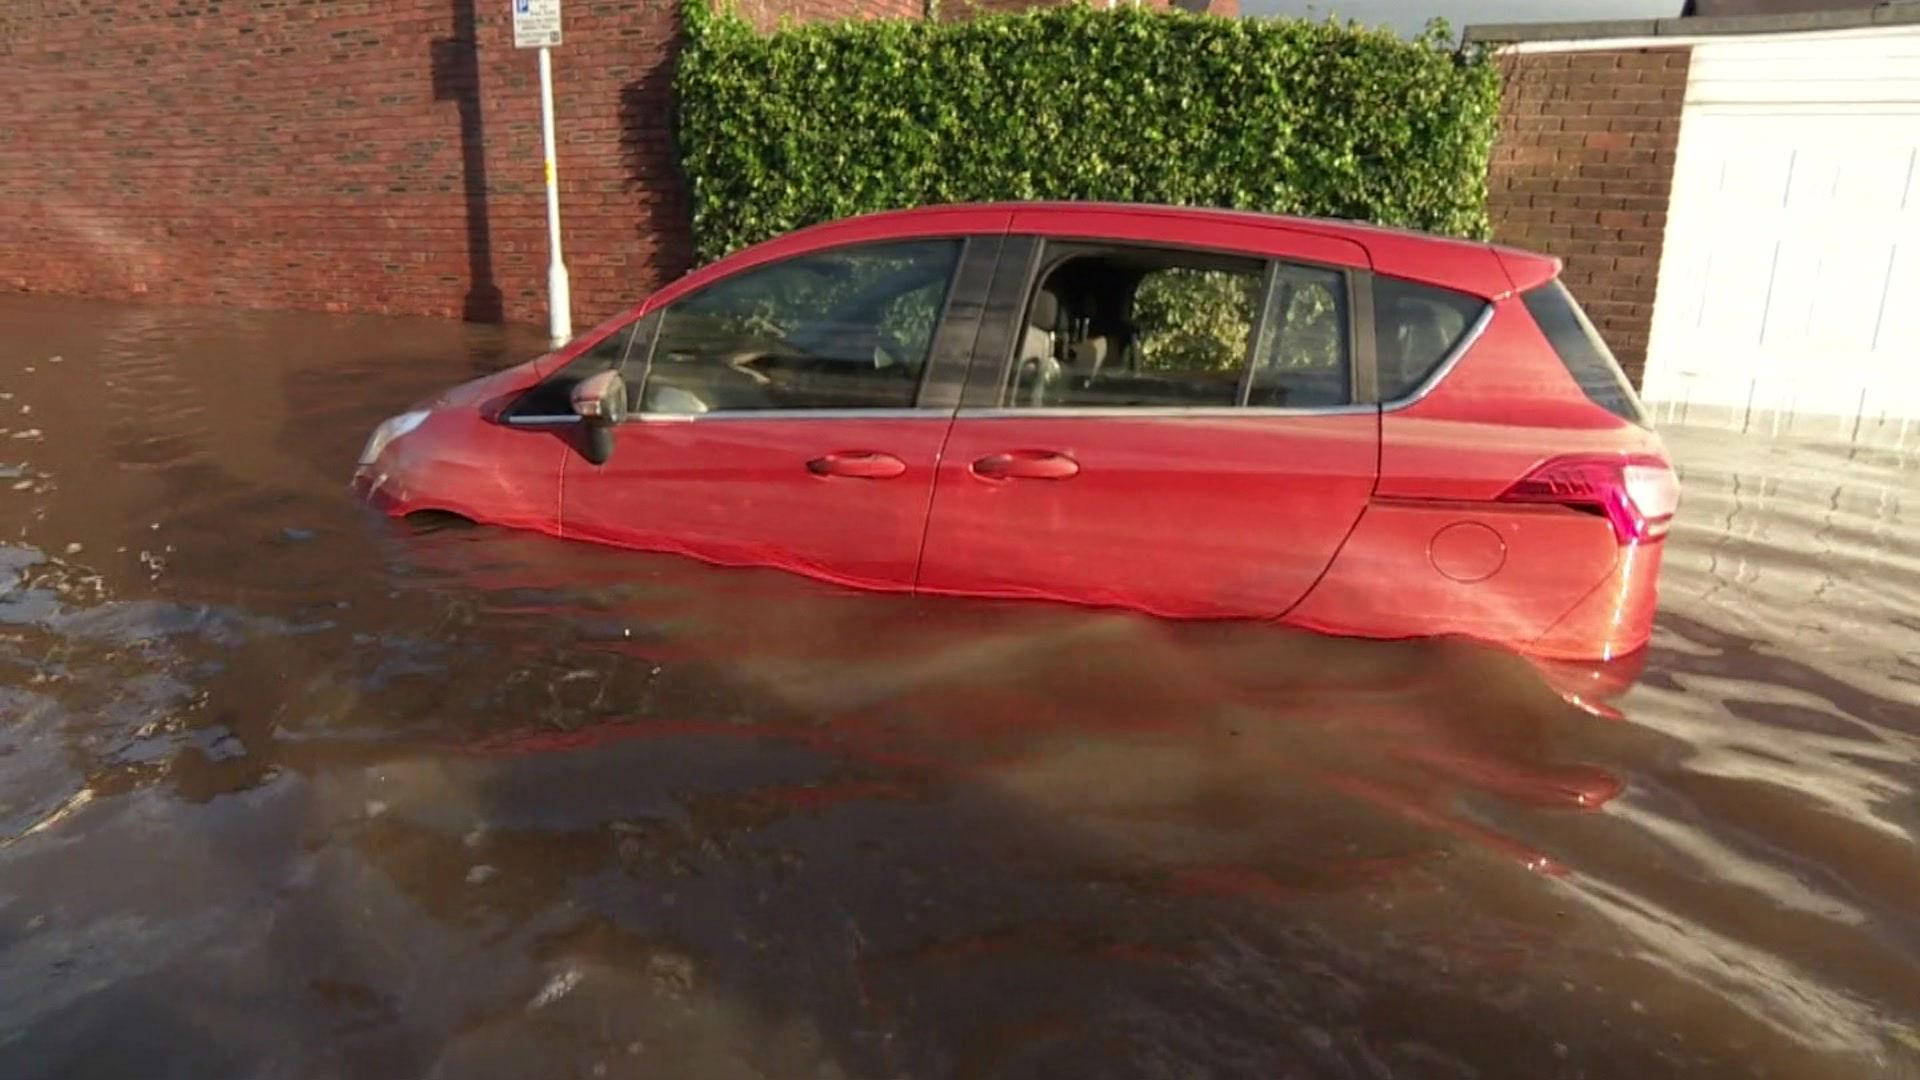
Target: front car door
790,412
1163,425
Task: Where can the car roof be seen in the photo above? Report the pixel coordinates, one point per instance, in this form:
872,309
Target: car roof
1469,265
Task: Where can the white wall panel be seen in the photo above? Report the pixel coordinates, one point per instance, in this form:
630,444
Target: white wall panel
1789,295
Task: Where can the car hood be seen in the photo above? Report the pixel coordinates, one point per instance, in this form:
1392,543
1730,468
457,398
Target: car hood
476,393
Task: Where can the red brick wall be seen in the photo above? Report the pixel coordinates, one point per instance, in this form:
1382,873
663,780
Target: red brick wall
367,155
767,14
1582,169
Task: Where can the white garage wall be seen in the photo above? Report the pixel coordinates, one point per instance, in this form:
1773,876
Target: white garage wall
1789,295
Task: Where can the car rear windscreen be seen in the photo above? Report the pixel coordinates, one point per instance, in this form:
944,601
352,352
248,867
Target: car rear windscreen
1581,349
1415,327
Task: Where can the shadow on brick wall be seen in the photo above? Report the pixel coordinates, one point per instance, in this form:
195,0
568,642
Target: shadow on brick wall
456,78
663,218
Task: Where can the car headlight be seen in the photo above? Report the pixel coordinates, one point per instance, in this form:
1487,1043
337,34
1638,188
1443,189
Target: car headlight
390,430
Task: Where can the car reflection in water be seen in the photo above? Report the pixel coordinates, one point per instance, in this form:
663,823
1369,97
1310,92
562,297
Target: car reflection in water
1190,720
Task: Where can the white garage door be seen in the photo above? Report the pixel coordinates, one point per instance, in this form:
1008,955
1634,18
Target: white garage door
1789,295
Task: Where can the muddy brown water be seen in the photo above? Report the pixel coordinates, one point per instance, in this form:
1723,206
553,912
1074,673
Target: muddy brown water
287,790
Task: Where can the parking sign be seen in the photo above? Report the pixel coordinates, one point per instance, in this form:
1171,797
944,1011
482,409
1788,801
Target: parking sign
536,23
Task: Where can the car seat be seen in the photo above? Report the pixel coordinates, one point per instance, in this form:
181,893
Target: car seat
1036,368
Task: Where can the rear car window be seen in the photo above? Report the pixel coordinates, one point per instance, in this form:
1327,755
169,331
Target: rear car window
1414,328
1582,350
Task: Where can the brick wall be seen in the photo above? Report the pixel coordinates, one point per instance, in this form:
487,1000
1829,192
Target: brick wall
367,155
1582,169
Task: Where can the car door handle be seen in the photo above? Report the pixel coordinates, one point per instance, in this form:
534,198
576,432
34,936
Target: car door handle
864,464
1026,465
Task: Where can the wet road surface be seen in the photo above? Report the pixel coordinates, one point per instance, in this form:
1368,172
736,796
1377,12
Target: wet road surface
287,790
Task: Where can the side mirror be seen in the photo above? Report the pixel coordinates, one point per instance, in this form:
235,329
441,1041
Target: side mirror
600,401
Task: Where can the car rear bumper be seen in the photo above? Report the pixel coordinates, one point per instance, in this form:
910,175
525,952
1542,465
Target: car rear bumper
1613,620
1548,581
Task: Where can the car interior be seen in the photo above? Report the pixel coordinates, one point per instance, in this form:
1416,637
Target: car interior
866,352
1174,329
844,329
1107,327
835,330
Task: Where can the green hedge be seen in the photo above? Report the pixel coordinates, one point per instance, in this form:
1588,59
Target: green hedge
817,122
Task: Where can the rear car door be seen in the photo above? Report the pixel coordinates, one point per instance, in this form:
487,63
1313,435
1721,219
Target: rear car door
791,414
1168,427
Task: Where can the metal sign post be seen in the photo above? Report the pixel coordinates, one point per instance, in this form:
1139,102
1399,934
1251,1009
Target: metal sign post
536,25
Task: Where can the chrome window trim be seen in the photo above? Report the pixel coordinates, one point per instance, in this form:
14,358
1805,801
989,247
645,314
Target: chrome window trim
1160,411
790,414
748,414
1165,411
1447,363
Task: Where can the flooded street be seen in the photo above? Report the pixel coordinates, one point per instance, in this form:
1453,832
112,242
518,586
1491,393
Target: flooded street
289,790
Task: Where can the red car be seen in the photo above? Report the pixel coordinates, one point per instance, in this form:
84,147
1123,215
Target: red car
1192,413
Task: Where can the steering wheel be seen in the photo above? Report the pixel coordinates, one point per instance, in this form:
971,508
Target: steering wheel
742,364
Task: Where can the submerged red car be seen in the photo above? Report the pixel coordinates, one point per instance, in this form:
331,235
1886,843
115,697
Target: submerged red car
1192,413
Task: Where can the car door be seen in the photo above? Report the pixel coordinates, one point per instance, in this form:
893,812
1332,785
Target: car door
1157,426
791,414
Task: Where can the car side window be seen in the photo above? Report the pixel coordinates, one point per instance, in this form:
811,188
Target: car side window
1136,327
847,328
1302,361
1415,326
1119,327
550,399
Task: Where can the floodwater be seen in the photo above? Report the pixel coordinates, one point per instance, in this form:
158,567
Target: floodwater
288,790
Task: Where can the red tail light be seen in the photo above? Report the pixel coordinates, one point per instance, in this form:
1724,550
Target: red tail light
1638,495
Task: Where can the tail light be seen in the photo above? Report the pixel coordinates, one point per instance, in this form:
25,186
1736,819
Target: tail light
1637,495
